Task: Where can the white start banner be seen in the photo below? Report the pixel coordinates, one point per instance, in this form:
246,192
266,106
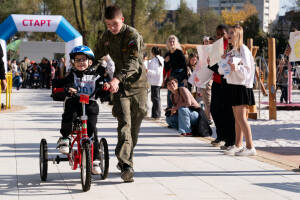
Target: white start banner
36,23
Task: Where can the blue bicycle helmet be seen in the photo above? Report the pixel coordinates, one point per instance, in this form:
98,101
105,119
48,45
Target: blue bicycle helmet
82,50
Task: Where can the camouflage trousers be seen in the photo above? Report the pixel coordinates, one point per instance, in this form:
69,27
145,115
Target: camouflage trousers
129,112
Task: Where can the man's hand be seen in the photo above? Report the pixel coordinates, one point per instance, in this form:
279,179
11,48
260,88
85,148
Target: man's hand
3,85
114,85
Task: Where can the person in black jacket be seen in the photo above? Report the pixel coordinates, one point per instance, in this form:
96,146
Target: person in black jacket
2,70
175,64
220,107
83,79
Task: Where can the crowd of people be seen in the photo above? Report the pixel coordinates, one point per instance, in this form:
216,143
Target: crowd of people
223,100
226,97
30,74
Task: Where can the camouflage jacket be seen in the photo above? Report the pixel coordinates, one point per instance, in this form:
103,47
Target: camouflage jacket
125,49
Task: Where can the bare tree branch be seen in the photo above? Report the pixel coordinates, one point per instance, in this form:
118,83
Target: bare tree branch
76,15
82,16
133,5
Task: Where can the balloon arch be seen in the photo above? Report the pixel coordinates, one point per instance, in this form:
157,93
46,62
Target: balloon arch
39,23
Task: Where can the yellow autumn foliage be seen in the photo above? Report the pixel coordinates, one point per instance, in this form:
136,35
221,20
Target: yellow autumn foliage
233,16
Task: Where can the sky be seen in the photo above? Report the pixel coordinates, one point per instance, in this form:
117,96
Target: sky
192,4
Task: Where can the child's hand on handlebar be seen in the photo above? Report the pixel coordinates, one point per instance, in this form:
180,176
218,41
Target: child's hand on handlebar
72,91
106,86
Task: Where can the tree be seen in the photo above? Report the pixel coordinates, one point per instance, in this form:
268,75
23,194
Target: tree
234,16
148,13
80,23
190,27
252,30
132,17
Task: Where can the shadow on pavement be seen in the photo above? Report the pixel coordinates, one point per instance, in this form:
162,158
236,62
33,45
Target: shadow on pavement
30,184
288,151
288,186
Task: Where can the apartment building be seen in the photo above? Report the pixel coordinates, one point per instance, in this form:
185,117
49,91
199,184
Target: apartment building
267,9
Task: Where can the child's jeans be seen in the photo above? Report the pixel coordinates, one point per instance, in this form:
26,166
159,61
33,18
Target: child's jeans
73,108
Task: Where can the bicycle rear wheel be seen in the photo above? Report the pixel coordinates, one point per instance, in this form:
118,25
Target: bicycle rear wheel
104,158
86,167
43,160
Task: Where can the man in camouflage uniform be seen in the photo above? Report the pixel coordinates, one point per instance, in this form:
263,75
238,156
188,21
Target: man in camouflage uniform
129,84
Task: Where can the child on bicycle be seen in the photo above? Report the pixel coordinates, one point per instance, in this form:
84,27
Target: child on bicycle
82,79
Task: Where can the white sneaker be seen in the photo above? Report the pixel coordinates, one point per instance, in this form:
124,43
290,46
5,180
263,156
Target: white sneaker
96,167
246,152
232,150
63,145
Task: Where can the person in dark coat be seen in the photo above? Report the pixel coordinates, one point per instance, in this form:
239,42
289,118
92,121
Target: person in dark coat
2,70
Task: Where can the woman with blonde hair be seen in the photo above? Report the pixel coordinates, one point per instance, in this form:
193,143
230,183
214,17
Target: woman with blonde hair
240,80
175,64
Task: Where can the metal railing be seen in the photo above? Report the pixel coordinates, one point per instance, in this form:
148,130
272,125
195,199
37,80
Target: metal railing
8,91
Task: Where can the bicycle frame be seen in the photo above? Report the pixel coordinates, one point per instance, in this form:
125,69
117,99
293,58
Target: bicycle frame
79,135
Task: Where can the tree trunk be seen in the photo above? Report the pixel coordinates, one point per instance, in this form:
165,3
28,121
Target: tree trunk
81,27
84,32
102,5
132,17
76,15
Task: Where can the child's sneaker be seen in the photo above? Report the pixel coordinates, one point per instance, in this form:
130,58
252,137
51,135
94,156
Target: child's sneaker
246,152
96,167
63,145
232,150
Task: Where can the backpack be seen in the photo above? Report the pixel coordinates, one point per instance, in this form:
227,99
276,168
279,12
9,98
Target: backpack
202,128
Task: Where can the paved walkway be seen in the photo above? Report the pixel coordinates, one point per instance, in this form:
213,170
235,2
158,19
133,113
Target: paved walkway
166,166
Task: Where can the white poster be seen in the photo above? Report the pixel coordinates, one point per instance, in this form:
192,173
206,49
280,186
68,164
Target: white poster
213,51
295,46
200,77
202,74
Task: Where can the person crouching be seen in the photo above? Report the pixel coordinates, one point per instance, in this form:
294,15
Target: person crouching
182,115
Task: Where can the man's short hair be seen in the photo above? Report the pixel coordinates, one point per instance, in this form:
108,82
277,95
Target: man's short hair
222,27
112,12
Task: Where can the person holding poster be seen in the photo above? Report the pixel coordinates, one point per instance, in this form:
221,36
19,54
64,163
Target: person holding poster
240,83
191,66
220,106
205,90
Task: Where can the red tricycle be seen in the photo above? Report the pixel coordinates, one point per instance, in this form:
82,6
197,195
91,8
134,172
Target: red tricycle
81,151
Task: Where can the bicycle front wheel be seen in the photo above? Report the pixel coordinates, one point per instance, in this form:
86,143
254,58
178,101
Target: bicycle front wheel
86,167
